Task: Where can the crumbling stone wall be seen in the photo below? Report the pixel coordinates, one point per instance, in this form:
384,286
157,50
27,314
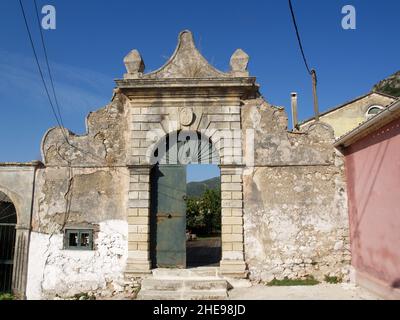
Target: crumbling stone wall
83,185
104,144
78,198
295,207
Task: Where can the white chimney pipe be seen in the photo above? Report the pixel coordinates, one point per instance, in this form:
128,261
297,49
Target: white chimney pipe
294,110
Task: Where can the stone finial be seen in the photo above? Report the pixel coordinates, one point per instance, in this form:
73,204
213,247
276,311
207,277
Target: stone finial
134,65
238,63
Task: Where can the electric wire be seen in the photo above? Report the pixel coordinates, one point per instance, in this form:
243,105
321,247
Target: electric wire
40,70
298,38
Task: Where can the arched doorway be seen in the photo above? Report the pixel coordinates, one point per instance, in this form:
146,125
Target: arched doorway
171,241
8,221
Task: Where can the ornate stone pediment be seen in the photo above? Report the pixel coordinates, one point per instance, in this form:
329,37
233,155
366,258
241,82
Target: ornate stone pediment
186,62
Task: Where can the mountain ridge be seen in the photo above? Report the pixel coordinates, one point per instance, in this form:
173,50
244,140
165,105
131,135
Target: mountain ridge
197,188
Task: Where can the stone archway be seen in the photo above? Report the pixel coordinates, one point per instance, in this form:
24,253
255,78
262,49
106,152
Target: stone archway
187,93
140,231
168,206
8,222
17,183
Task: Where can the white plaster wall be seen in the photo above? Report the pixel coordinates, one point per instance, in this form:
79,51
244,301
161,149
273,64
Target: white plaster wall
53,271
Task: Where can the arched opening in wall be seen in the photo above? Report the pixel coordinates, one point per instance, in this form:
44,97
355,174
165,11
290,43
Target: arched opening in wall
185,219
8,221
373,110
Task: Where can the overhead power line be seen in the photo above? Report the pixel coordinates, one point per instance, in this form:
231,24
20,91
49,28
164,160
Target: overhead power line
57,117
48,65
41,72
311,72
298,37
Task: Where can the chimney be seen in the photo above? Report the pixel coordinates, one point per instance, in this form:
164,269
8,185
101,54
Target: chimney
294,110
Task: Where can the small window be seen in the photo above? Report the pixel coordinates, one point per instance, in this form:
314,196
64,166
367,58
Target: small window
373,110
78,239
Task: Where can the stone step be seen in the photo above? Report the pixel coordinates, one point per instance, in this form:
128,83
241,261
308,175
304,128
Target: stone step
187,273
182,295
183,284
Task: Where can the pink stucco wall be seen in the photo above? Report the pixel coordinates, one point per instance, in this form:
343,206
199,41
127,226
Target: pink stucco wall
373,174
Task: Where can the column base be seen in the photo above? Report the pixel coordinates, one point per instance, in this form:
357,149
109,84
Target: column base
138,267
233,268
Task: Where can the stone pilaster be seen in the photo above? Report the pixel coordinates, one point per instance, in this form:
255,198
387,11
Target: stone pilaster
232,263
20,269
139,221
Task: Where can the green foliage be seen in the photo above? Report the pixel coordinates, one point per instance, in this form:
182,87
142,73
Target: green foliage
84,296
332,280
203,213
308,281
390,85
6,296
388,89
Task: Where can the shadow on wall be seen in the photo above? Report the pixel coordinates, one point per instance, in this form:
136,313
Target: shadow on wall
396,284
378,160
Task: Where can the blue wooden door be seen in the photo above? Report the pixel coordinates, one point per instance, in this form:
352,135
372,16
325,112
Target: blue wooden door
169,216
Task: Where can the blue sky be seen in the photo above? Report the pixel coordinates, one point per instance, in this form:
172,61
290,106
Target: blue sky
92,37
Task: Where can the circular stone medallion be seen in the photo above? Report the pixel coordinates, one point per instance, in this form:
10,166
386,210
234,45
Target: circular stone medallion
186,116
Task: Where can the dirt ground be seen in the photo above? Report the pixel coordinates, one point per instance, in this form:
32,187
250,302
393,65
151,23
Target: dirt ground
317,292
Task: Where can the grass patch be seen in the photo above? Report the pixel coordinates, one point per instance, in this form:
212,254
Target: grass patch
309,281
332,280
6,296
83,296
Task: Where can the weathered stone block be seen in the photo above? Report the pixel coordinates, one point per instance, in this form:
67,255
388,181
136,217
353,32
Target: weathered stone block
226,229
138,237
236,195
139,203
237,212
144,178
132,228
143,246
142,186
143,229
232,220
138,254
232,203
144,195
227,246
135,143
226,195
226,212
237,246
146,118
237,229
132,212
139,151
231,186
139,220
132,245
134,178
133,195
138,134
226,237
